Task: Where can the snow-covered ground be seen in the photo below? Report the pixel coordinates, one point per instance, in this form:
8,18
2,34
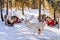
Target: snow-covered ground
21,31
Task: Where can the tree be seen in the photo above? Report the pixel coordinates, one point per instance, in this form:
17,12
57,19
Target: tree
54,6
7,8
10,2
39,17
1,3
16,3
30,4
35,4
27,3
22,7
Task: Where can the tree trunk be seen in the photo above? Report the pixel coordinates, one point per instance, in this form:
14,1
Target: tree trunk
22,7
33,4
1,11
7,8
54,15
15,3
11,9
39,17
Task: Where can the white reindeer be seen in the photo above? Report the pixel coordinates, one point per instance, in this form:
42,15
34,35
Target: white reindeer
36,27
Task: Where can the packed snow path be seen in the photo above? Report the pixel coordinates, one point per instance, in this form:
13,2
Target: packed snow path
21,32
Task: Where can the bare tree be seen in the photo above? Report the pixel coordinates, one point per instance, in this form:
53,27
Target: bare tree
22,7
1,3
39,17
7,8
54,6
11,8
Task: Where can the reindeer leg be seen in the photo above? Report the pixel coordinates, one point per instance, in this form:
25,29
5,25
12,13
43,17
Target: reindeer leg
39,31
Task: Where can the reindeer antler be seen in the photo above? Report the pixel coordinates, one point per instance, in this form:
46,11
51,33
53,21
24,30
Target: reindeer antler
30,18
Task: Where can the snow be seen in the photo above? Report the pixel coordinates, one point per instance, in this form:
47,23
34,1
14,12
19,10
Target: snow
20,31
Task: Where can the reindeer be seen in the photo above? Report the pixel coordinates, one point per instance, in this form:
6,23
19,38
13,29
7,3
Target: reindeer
36,27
